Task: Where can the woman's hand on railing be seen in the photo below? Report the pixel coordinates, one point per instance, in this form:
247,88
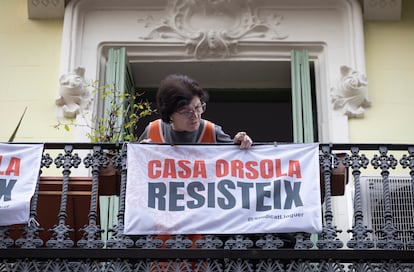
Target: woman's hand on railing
243,139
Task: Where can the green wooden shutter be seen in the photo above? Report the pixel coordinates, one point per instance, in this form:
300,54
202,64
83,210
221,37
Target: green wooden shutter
120,82
301,98
108,212
119,79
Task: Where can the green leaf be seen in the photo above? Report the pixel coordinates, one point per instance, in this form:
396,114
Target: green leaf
11,139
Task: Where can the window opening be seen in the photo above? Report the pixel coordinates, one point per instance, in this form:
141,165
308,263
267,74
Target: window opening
241,97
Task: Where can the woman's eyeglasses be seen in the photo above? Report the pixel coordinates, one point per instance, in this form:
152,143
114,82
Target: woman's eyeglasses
197,110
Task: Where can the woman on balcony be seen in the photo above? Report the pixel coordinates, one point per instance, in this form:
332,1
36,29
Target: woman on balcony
181,102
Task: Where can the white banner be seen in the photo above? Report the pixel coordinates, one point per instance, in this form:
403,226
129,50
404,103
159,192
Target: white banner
220,189
19,171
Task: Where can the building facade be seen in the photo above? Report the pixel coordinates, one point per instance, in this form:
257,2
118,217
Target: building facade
360,46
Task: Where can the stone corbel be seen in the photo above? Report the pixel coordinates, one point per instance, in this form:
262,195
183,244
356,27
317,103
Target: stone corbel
74,96
382,10
350,94
45,9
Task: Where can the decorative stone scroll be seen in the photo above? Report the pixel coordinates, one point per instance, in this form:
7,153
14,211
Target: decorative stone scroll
73,94
350,93
213,28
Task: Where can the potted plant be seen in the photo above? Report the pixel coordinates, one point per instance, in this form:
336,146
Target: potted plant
118,118
116,122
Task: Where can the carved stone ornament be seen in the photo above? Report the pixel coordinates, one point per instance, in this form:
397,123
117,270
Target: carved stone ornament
73,94
213,28
350,93
46,9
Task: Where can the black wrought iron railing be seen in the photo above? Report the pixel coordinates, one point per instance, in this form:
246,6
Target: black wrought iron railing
65,232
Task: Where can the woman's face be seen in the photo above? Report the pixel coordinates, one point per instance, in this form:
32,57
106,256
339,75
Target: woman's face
188,117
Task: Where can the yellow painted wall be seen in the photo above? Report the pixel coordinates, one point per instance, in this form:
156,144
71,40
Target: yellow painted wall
389,51
29,72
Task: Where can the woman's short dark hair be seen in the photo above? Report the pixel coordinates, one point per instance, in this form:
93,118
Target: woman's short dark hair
176,91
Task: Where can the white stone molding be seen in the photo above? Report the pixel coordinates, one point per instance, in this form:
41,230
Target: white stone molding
74,96
230,31
350,94
213,29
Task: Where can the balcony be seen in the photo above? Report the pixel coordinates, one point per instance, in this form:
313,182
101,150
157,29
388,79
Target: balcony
70,225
